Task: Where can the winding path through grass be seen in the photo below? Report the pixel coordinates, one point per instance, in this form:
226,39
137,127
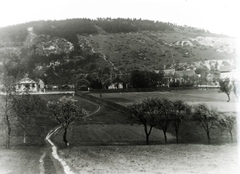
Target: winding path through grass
66,168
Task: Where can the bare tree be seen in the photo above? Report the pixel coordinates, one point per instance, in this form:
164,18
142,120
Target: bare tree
226,87
206,117
26,108
145,113
66,111
180,112
226,121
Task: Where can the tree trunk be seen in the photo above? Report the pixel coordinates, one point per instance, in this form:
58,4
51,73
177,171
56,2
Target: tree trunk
147,139
147,133
228,98
208,136
231,135
176,131
65,136
24,137
8,137
165,136
8,132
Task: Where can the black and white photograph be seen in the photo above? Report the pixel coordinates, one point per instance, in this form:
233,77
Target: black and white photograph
119,87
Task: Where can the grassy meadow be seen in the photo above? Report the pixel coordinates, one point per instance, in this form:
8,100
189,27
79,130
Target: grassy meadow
150,50
129,155
154,159
212,97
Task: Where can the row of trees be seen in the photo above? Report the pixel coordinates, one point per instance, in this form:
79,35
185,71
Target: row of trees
163,113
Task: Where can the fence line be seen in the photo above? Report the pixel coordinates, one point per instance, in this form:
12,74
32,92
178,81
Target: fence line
149,89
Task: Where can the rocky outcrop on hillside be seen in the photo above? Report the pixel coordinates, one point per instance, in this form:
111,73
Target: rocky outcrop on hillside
45,45
220,44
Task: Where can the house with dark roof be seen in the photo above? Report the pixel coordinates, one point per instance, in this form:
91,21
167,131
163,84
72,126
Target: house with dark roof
185,77
186,73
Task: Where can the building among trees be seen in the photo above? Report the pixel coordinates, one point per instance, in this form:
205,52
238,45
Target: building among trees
27,84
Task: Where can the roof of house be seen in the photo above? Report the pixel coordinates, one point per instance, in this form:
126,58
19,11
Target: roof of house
117,80
185,73
107,82
26,80
227,68
168,72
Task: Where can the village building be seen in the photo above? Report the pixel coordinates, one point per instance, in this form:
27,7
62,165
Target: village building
168,76
171,75
117,83
227,72
184,75
27,84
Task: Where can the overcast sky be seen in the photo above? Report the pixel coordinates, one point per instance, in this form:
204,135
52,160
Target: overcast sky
219,16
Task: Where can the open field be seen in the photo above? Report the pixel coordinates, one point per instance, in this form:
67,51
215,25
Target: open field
108,143
164,159
211,97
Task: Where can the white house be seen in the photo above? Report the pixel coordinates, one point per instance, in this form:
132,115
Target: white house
28,84
227,72
116,84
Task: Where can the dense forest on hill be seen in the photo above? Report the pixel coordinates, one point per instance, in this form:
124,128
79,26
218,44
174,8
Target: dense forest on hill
69,28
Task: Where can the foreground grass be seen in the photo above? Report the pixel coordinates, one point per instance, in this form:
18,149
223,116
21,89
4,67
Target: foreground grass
20,160
164,159
109,126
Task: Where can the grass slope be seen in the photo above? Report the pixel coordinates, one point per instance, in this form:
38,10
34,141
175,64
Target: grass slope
177,159
151,50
